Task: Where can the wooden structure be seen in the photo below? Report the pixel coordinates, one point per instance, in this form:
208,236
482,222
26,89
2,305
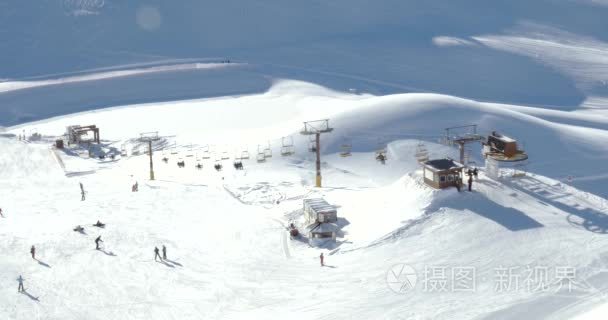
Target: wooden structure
443,173
75,133
502,148
316,128
319,233
321,218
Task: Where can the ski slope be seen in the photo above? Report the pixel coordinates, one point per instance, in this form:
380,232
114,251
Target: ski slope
233,76
231,257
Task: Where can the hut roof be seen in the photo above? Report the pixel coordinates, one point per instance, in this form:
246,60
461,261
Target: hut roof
319,205
324,227
443,164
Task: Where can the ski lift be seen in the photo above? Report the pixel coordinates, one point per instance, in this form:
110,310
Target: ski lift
381,153
422,154
268,151
174,150
225,155
312,143
287,147
244,154
137,151
346,148
189,154
206,153
261,156
123,150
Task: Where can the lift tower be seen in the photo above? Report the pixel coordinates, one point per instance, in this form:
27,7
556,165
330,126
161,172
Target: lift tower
316,128
149,137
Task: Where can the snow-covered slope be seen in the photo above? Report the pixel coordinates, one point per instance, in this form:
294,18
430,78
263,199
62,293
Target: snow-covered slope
543,52
230,256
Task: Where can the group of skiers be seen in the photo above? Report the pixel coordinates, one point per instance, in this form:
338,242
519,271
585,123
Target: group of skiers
157,255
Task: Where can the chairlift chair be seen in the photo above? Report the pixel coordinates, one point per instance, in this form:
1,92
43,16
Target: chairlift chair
345,150
245,154
225,155
206,153
261,157
287,147
189,154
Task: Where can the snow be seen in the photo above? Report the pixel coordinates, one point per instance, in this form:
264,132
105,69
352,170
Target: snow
388,75
225,230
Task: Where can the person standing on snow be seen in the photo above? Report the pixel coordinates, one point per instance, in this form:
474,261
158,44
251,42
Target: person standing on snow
470,182
164,252
97,241
156,255
1,215
82,192
33,252
21,288
321,258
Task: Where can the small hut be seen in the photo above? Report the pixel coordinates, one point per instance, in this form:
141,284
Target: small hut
502,148
321,232
443,173
321,218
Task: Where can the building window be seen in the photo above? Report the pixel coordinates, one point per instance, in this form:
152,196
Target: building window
441,178
450,177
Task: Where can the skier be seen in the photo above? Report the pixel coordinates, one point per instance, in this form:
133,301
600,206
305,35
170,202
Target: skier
82,192
164,252
1,215
97,241
21,288
79,228
33,252
321,258
475,173
99,224
135,187
156,255
470,182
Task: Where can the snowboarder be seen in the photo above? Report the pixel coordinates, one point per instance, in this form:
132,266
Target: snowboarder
164,252
33,252
475,173
79,228
156,255
99,224
470,182
97,241
321,258
21,288
135,187
82,192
